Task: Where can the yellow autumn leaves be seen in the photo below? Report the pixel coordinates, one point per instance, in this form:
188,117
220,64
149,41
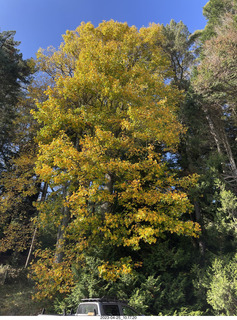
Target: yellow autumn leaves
109,119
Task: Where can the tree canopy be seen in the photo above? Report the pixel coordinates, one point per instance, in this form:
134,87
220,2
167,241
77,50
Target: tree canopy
118,165
109,120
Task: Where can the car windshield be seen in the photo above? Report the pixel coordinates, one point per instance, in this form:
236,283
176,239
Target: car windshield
87,308
111,309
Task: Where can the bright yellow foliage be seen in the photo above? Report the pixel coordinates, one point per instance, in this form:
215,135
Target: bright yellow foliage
55,278
109,117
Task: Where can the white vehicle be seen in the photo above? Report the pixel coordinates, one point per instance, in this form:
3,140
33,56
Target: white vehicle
104,307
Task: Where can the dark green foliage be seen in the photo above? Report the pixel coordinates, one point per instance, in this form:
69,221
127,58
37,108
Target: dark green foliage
162,285
19,187
14,73
168,265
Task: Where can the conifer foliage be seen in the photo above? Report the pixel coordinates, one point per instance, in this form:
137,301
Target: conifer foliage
14,72
18,186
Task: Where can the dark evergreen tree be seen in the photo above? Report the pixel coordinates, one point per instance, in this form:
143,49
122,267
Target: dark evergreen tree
19,187
215,86
14,74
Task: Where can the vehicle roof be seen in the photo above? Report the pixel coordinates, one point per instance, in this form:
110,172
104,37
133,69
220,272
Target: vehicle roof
113,300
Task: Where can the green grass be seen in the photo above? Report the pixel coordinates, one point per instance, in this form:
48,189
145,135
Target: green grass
16,299
16,294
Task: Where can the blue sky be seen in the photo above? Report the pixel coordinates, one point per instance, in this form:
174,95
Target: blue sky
41,23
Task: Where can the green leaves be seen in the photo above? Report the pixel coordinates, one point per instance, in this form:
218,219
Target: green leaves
222,286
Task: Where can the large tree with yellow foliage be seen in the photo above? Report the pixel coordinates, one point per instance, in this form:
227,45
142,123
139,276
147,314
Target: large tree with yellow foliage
108,120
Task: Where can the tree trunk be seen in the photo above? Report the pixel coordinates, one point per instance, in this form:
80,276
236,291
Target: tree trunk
221,139
200,240
31,247
212,130
43,197
59,252
230,155
106,206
